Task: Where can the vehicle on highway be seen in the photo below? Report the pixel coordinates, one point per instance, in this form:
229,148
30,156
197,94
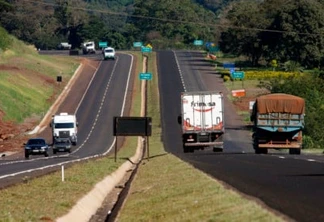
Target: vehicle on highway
89,47
64,45
64,126
278,123
202,120
36,146
63,145
108,53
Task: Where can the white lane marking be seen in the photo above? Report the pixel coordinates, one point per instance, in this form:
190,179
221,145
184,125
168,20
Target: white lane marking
311,160
282,157
180,72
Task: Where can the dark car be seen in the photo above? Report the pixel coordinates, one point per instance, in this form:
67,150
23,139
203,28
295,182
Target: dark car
36,146
62,145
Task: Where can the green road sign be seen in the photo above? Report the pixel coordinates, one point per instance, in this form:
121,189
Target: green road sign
198,42
146,49
145,76
137,44
237,75
103,44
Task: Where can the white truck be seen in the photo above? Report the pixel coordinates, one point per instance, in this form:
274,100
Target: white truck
64,131
88,47
202,120
64,45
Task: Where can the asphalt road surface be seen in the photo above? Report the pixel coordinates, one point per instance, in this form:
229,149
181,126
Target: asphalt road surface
290,184
98,95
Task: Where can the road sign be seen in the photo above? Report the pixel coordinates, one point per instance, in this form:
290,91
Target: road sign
238,93
137,44
237,75
145,76
103,44
146,49
228,65
214,49
198,42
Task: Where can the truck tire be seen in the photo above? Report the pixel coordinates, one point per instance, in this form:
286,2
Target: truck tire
294,151
185,149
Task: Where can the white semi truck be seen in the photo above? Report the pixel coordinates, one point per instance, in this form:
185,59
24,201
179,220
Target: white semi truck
64,131
202,120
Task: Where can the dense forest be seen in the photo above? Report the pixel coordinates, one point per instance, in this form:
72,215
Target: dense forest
281,30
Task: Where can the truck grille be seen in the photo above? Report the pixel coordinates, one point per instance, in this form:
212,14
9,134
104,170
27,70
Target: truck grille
64,134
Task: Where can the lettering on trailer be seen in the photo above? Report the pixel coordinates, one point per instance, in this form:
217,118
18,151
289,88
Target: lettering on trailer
202,106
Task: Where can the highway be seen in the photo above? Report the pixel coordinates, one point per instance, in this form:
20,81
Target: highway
289,184
96,97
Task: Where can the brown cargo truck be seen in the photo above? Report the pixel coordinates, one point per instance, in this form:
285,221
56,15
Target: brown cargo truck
278,123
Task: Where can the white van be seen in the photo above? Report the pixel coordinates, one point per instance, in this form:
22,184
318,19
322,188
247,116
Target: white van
108,53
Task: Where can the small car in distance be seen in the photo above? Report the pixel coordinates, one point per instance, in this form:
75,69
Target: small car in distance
36,146
108,53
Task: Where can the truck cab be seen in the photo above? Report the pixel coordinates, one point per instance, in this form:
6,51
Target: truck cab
64,126
89,47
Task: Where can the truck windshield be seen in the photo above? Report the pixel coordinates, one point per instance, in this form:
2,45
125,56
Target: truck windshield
63,125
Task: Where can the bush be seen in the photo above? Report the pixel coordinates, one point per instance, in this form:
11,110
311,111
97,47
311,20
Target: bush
5,40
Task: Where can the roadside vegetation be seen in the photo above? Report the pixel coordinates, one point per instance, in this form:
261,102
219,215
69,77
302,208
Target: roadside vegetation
28,84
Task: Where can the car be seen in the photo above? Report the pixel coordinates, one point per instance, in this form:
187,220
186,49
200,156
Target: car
36,146
62,145
108,53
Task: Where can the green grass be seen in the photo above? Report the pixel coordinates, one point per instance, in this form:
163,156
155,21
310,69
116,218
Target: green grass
28,81
165,188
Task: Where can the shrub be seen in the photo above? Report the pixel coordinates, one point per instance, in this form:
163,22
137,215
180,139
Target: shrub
5,40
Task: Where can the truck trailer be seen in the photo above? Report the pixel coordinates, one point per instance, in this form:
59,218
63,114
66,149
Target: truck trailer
278,121
64,127
202,120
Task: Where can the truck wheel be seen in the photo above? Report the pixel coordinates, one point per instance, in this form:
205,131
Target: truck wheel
26,154
257,150
294,151
264,151
185,149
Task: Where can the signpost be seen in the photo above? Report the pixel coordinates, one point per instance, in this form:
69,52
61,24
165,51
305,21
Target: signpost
145,76
237,75
146,49
198,42
103,44
137,44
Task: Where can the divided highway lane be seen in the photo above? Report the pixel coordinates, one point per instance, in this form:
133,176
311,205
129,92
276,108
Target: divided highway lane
96,97
289,184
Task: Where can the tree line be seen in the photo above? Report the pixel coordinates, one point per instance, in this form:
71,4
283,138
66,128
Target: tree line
280,30
46,23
